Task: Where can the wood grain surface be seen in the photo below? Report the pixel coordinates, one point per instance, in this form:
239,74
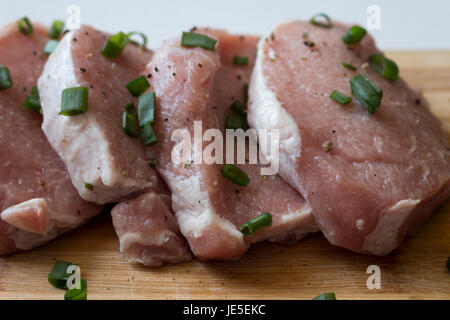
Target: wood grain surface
268,271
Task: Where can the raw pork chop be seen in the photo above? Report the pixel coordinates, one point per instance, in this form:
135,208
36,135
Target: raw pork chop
386,172
191,85
37,199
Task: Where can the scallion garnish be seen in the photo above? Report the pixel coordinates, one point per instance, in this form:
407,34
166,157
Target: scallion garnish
339,97
5,78
146,108
148,135
236,122
129,107
88,186
33,102
348,66
143,36
366,92
238,60
326,296
191,39
129,125
239,108
50,46
354,35
58,275
138,86
321,23
235,175
77,294
25,26
56,29
74,101
387,68
249,228
114,45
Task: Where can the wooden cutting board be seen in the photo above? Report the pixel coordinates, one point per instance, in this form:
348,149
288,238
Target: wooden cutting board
268,271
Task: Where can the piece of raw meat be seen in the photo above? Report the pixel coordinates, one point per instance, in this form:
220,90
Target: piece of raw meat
385,173
37,199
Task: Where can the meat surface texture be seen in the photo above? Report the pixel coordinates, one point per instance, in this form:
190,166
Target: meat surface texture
37,199
386,172
194,84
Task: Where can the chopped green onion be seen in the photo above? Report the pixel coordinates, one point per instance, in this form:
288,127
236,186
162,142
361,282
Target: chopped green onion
58,275
339,97
56,29
77,294
146,108
245,89
114,45
88,186
74,101
324,24
242,61
326,296
129,125
33,102
153,162
138,86
239,108
387,68
366,92
348,66
191,39
236,122
5,78
354,35
129,107
50,46
25,26
148,135
235,175
249,228
448,264
143,36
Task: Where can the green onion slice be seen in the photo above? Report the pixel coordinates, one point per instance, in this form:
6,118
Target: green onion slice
129,107
249,228
56,29
324,22
235,175
33,101
146,108
148,135
236,122
74,101
77,294
143,36
387,68
245,89
25,26
50,46
238,60
5,78
348,66
191,39
58,275
339,97
354,35
138,86
326,296
88,186
114,45
366,92
239,108
129,125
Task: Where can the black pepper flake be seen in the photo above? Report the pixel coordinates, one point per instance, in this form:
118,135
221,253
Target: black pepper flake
193,28
166,119
91,86
104,93
418,101
200,65
149,76
86,33
358,54
309,44
239,77
83,69
156,69
174,74
333,131
34,53
75,39
242,38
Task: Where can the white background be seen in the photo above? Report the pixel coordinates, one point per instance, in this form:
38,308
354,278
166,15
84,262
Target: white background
414,24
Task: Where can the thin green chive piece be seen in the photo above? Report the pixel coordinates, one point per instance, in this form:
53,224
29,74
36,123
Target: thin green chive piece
88,186
339,97
245,89
324,21
77,294
366,92
239,108
354,35
25,26
191,39
58,275
74,101
236,122
114,45
56,29
250,227
326,296
129,125
138,86
33,101
50,46
148,135
348,66
235,175
129,107
143,36
146,108
5,78
242,61
387,68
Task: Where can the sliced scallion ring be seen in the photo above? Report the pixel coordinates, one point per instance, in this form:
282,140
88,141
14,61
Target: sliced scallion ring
325,296
249,228
58,275
129,107
77,294
339,97
50,46
366,92
236,122
148,136
320,23
25,26
138,86
33,101
129,125
387,68
146,108
143,36
5,78
348,66
114,45
56,29
354,35
191,39
74,101
240,60
235,175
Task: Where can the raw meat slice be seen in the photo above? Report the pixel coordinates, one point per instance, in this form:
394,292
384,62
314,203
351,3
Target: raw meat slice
386,172
37,199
